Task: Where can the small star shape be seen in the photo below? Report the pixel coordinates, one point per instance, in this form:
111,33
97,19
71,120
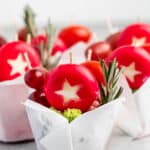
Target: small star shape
69,92
130,71
138,41
18,65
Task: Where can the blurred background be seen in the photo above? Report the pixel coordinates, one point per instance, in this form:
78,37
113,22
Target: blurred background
96,14
92,13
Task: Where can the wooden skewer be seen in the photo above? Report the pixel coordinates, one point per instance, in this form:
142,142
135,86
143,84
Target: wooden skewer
28,39
27,60
16,37
89,55
109,24
94,37
70,57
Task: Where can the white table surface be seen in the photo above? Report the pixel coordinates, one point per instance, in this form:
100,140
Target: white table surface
127,143
117,143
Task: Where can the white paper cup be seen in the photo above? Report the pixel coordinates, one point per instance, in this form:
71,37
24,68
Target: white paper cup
14,124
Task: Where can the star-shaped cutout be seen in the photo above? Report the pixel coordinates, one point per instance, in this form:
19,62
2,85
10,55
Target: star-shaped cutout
69,92
130,71
138,41
18,65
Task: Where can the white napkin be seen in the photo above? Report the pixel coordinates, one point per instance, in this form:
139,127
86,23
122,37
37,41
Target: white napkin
93,129
14,125
142,99
89,131
129,120
135,120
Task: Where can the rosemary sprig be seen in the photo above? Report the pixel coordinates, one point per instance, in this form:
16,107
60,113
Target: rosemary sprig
51,36
29,19
46,49
110,91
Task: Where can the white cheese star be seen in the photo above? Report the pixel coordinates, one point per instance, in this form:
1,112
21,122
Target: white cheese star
130,71
68,91
138,41
18,65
